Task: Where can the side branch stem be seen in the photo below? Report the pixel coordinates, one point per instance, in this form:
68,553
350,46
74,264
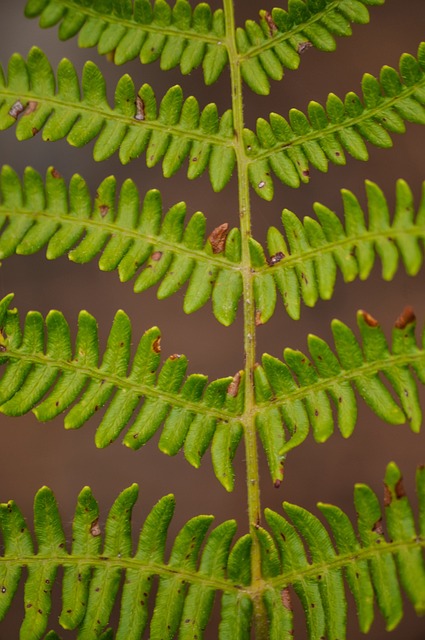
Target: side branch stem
248,419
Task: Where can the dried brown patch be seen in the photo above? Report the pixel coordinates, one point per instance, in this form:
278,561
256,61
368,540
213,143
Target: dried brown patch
378,527
55,174
217,238
405,318
140,109
270,22
304,46
156,256
95,528
387,496
399,489
31,107
258,319
277,257
286,598
370,320
156,346
277,483
16,109
103,210
233,387
175,356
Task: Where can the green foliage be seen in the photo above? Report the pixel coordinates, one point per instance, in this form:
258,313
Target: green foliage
255,576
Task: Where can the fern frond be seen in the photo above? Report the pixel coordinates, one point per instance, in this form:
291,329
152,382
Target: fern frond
304,265
173,132
297,392
48,379
281,37
128,236
370,564
287,149
177,36
93,568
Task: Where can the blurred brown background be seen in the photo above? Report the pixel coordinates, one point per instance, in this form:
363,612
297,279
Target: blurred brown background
34,454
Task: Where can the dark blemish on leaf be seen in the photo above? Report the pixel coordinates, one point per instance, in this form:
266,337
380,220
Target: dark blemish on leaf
306,173
313,606
140,109
34,131
339,399
16,109
194,159
378,528
3,589
217,238
96,408
387,496
270,23
370,320
97,589
175,356
258,319
156,345
316,413
406,317
95,528
399,489
337,153
2,348
103,210
40,611
304,46
55,174
156,256
277,257
277,483
233,388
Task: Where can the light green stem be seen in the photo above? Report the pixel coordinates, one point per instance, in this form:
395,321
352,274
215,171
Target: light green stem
248,419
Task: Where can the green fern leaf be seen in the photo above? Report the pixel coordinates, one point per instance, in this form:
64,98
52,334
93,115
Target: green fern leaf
177,36
298,392
128,235
287,149
304,266
94,566
373,564
48,379
281,37
173,132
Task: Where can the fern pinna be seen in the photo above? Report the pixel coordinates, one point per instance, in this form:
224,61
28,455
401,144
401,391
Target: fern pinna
168,589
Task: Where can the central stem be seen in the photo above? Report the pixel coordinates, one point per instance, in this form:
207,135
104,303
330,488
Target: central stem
248,418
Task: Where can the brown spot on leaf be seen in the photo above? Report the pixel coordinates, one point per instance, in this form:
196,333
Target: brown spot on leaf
175,356
277,257
16,109
55,173
34,131
258,320
103,210
156,346
370,320
217,238
304,46
95,528
277,483
233,387
140,109
387,496
156,256
407,317
378,527
270,22
399,489
31,107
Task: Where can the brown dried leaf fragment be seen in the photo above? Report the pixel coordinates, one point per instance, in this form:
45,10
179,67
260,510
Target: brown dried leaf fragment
233,387
31,107
140,109
378,527
55,173
304,46
95,528
270,22
277,257
258,318
387,496
399,489
103,210
405,318
217,238
285,595
370,320
16,109
175,356
156,345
